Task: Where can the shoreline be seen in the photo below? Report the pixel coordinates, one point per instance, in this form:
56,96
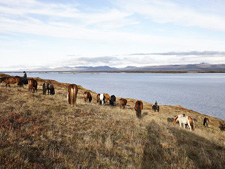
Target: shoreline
156,71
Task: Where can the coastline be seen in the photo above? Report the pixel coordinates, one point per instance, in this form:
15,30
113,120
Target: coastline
182,71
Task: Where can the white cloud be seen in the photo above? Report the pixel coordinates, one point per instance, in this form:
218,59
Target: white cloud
97,32
162,11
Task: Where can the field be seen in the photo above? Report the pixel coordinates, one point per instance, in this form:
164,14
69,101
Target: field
44,131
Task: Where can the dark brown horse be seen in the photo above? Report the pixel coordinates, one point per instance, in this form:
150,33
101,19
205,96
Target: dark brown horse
72,94
155,107
87,96
10,80
206,122
98,98
138,107
48,86
32,85
123,103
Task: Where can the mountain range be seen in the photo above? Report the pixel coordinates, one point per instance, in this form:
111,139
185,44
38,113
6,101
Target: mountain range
203,67
162,68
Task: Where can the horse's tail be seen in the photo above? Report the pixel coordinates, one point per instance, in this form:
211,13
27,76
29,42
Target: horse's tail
90,98
139,110
73,101
191,122
71,95
44,88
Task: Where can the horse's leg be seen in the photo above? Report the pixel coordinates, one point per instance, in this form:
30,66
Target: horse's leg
189,125
180,124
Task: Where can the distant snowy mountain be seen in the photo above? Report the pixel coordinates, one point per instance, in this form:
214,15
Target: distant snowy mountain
163,68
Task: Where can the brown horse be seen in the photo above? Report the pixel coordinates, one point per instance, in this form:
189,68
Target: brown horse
87,96
107,97
10,80
98,98
72,94
138,107
123,102
32,85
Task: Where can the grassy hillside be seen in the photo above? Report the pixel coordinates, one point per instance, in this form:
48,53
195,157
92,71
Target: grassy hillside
43,131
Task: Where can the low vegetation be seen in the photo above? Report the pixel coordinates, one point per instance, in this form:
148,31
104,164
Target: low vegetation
44,131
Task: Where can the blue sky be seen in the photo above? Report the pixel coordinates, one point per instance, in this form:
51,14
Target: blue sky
119,33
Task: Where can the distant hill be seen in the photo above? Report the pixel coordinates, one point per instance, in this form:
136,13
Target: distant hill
187,68
162,68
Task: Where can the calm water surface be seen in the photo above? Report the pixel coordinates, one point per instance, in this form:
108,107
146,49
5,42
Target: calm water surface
204,93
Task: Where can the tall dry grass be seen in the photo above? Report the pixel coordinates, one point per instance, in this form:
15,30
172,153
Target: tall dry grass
43,131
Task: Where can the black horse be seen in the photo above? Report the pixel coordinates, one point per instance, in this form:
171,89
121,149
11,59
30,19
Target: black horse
113,100
23,80
206,122
155,107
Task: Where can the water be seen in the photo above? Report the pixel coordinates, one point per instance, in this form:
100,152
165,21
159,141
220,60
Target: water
204,93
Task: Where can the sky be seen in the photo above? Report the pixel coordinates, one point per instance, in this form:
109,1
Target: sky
116,33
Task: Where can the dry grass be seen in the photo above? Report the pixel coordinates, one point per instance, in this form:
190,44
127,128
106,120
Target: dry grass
41,131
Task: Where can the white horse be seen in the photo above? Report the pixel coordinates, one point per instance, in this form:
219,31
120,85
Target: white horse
102,99
183,120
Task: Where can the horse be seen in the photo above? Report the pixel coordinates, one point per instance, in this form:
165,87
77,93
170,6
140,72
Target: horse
155,107
32,85
10,80
183,120
206,122
102,99
123,102
98,98
72,94
107,97
50,89
138,107
112,100
23,81
48,86
87,96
